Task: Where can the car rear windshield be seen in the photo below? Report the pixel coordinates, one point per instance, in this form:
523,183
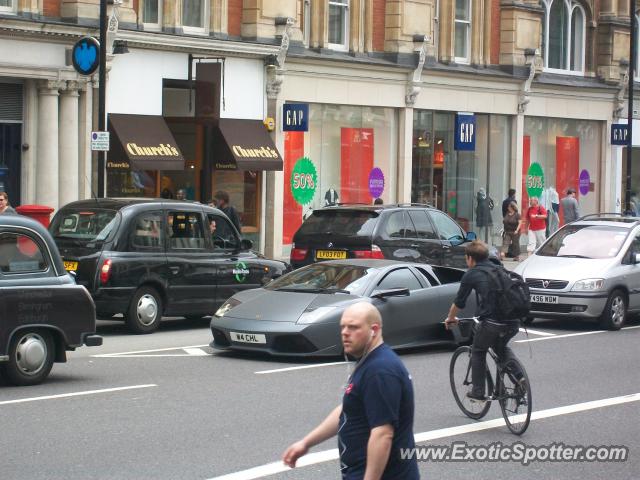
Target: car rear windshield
323,278
82,227
347,223
585,241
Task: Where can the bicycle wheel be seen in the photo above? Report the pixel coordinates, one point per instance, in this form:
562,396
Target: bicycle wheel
515,397
460,379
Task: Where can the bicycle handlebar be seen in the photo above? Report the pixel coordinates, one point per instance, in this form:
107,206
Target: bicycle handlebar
466,320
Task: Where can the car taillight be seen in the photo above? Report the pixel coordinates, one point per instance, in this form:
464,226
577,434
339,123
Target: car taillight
375,253
298,254
105,271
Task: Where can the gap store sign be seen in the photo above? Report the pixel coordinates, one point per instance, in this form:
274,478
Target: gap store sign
295,117
465,132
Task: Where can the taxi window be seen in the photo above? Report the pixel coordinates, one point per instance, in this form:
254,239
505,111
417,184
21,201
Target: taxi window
185,230
399,226
222,233
20,254
147,232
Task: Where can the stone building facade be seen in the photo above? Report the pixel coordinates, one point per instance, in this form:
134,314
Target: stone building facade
386,82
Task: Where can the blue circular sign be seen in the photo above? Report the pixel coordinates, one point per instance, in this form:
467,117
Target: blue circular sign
86,55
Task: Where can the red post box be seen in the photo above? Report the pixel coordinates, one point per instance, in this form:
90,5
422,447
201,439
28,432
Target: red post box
41,213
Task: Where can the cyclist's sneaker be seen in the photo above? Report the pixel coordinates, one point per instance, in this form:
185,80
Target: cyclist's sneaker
478,398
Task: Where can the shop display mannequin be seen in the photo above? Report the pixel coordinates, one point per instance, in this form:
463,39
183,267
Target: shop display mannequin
330,198
484,206
551,201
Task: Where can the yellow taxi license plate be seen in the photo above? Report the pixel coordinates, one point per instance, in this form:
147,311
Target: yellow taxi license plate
331,254
70,265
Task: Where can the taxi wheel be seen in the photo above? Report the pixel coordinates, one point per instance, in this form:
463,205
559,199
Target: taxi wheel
31,355
615,311
145,311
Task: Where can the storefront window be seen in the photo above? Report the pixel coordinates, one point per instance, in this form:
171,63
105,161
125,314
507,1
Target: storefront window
567,152
127,183
244,189
353,151
468,185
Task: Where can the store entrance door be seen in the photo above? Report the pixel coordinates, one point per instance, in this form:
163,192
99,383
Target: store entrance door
10,156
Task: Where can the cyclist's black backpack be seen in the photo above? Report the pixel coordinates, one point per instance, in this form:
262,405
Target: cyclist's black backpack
509,294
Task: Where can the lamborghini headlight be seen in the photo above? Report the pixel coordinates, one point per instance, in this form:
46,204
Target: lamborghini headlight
226,306
311,316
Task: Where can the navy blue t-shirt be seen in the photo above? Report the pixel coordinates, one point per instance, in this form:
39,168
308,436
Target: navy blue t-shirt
379,392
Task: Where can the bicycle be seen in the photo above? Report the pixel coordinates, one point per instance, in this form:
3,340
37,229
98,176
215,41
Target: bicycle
513,396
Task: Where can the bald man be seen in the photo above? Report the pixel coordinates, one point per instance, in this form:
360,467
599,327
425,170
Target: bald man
375,419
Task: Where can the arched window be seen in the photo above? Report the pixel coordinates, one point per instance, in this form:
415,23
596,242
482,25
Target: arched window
564,37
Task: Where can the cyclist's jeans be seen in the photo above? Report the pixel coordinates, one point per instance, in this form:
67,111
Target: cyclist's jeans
489,334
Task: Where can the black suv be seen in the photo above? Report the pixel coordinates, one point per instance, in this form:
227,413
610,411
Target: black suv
146,258
407,232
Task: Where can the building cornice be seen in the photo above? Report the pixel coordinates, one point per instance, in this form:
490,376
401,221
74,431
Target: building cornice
67,33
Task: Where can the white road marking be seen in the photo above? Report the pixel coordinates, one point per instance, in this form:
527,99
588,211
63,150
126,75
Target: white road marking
76,394
593,332
196,352
104,355
537,332
329,455
288,369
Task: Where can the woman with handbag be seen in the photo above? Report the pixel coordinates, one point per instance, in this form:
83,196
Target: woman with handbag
511,233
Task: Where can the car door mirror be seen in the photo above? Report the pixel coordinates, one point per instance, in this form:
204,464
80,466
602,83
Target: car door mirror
471,236
391,292
246,244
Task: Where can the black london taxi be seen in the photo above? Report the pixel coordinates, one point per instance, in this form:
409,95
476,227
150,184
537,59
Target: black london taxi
43,313
145,258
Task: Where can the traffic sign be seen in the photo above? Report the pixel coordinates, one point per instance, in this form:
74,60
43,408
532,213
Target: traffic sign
100,141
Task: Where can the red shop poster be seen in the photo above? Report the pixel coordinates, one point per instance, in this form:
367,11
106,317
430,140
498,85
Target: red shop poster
356,162
292,210
567,166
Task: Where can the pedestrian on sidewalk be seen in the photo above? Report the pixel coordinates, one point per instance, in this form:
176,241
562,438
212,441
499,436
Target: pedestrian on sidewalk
511,233
511,197
5,207
536,220
570,207
222,202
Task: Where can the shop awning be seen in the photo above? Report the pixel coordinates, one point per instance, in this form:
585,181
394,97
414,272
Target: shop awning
142,142
243,145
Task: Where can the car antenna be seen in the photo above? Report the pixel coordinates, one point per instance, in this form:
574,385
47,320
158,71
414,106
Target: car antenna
93,193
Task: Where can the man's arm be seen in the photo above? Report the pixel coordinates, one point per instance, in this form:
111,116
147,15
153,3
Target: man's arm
544,212
378,449
328,428
451,318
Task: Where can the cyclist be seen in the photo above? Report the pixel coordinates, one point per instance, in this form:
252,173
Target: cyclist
490,332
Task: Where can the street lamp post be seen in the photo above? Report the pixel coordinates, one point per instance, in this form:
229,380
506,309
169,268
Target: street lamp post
632,72
102,93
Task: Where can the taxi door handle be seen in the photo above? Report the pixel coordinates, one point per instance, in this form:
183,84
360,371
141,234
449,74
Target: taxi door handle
446,247
414,245
174,270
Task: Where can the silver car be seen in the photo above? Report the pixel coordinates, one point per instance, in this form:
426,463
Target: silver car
588,269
